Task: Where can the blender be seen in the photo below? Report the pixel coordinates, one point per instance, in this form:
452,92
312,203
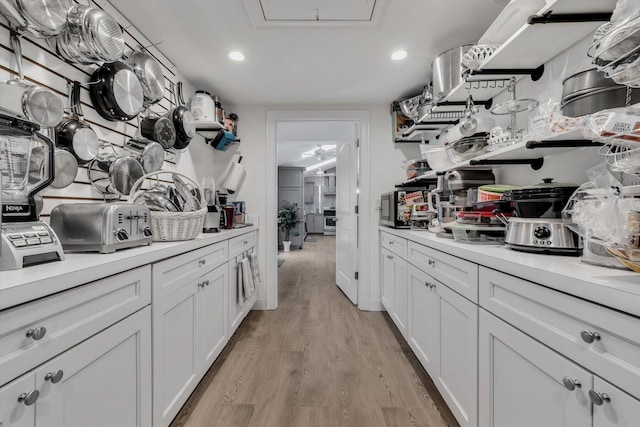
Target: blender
25,240
212,217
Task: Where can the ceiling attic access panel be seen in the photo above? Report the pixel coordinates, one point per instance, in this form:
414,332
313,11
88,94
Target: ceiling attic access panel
317,10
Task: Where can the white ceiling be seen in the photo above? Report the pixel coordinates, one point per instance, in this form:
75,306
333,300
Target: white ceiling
308,62
294,138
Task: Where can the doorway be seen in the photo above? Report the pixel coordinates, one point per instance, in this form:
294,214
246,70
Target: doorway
285,128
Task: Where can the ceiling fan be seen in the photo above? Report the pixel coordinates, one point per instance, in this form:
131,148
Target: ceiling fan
320,152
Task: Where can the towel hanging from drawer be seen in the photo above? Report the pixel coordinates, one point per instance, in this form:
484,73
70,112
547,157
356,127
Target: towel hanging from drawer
245,281
255,269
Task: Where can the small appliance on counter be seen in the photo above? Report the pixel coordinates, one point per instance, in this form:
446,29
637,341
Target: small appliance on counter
395,207
26,241
421,216
212,219
101,227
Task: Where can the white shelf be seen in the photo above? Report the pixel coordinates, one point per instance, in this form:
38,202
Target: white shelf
517,151
531,46
208,129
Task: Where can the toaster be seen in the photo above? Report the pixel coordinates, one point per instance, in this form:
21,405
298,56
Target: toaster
101,227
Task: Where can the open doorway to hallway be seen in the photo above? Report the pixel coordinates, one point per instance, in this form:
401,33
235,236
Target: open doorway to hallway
309,183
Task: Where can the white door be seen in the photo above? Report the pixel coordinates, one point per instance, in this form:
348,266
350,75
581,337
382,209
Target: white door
347,220
423,318
104,381
16,413
211,315
522,382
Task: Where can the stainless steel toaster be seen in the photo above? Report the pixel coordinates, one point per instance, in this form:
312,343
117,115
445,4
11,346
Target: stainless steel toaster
101,227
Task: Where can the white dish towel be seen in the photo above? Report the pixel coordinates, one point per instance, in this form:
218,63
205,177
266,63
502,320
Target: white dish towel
253,261
245,281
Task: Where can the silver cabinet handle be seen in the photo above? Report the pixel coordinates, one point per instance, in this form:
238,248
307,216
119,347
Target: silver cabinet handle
202,262
571,384
29,398
245,242
391,243
206,283
389,257
37,333
598,398
201,285
54,376
589,337
431,262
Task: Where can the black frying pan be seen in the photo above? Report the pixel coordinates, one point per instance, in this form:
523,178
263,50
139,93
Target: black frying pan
116,92
74,134
182,119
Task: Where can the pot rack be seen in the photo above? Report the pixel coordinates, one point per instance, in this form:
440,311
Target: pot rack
540,38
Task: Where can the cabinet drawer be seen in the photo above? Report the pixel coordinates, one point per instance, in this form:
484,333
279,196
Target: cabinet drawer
561,321
240,244
458,274
68,318
395,244
171,274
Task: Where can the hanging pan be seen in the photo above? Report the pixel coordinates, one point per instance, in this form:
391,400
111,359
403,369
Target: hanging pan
44,18
116,92
149,72
182,119
74,134
92,36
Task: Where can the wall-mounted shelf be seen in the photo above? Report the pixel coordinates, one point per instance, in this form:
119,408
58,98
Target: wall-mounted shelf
524,153
208,129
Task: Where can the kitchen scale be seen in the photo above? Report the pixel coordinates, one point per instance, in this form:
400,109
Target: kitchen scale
25,240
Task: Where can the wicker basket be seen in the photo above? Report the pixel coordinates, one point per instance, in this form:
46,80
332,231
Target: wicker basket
173,226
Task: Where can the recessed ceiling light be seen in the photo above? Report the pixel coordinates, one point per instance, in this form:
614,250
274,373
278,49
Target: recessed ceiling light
235,55
399,55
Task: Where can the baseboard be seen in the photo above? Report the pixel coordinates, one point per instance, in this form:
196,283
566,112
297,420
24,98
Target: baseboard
376,305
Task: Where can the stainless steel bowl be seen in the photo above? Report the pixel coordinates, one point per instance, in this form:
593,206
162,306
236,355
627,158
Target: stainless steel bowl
447,70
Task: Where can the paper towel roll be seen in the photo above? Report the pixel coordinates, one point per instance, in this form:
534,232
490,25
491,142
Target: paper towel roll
234,177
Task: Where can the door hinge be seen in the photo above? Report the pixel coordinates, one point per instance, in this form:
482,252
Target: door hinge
356,209
356,275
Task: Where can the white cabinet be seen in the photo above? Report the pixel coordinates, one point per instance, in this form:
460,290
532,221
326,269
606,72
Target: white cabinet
521,381
394,288
189,332
17,402
105,381
617,409
443,333
290,177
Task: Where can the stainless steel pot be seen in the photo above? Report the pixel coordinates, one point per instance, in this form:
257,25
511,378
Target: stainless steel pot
159,129
584,82
116,92
44,18
149,154
92,36
149,71
114,175
74,134
447,71
548,236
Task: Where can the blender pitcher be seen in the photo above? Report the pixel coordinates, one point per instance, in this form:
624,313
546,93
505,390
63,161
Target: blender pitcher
15,158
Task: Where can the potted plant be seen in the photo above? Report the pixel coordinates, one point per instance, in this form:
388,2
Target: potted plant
288,220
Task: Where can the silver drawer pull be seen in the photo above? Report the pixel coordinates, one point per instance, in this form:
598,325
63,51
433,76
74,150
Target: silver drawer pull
431,262
202,262
201,285
54,376
391,243
389,257
598,398
37,333
206,283
589,337
571,384
245,242
29,398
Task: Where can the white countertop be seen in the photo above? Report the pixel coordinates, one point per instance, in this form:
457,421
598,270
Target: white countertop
20,286
618,289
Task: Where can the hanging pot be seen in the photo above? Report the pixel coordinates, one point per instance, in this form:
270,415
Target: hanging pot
149,154
114,175
116,92
149,72
41,19
28,102
159,129
92,36
74,134
182,118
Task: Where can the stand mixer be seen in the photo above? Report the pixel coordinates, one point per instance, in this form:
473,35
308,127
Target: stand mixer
24,239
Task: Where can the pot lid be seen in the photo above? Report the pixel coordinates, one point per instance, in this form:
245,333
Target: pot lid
152,157
124,172
547,188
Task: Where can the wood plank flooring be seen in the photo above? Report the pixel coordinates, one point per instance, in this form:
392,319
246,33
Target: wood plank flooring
315,361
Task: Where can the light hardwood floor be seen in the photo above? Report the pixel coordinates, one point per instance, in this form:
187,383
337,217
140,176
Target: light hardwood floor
315,361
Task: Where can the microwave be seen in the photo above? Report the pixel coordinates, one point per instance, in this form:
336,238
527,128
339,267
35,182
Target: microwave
395,207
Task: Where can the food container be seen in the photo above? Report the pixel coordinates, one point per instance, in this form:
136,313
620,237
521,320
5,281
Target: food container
447,71
436,157
477,234
417,167
481,218
468,147
493,192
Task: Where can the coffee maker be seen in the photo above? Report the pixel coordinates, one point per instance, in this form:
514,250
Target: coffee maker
24,239
213,216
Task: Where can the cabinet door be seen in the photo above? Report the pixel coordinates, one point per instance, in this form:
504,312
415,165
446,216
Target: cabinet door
617,408
104,381
400,314
290,177
14,413
236,311
211,315
308,192
387,280
310,223
521,381
319,223
457,370
423,315
174,352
